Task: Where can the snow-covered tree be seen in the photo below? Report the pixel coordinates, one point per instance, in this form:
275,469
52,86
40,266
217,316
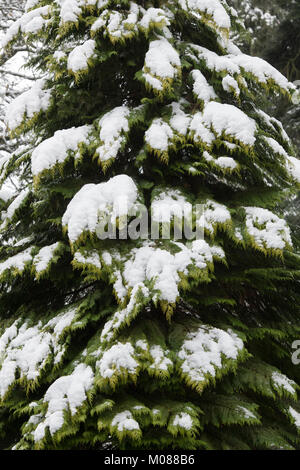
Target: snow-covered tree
147,343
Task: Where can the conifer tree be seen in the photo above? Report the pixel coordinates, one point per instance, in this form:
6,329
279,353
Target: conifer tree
147,343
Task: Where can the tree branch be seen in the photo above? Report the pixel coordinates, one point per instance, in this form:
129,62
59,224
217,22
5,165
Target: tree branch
15,74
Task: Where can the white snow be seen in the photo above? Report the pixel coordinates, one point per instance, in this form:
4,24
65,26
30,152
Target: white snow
122,317
56,149
276,147
31,4
162,63
246,412
296,416
93,202
282,381
168,205
293,167
201,87
213,8
273,232
154,16
113,127
78,59
227,163
70,10
155,264
28,104
43,258
183,420
158,135
119,356
261,70
25,350
31,22
214,214
202,352
66,393
89,257
200,131
215,62
225,118
6,194
16,262
179,121
160,359
124,422
230,84
16,204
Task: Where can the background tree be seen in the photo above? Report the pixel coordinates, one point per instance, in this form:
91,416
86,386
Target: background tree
13,81
147,343
272,32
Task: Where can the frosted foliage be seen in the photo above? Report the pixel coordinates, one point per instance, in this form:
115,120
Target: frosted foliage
122,317
159,358
230,84
67,393
70,10
262,70
213,8
28,104
124,422
119,357
162,267
183,420
295,415
276,147
16,262
201,87
267,229
226,163
154,16
91,257
213,61
215,122
30,4
6,194
204,351
237,63
25,349
16,204
120,26
282,381
31,22
95,201
246,413
162,63
225,118
168,205
78,59
55,150
214,214
158,135
179,121
293,167
113,127
43,258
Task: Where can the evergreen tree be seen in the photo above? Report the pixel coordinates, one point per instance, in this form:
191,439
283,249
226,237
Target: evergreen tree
147,343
